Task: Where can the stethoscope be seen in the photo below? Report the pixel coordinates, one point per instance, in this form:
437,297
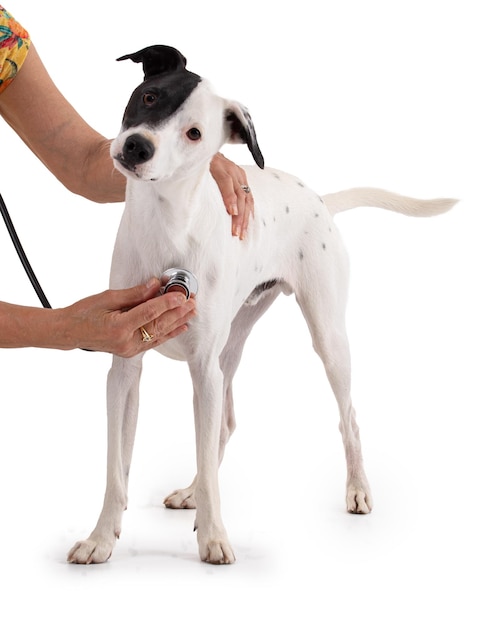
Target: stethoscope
22,256
173,279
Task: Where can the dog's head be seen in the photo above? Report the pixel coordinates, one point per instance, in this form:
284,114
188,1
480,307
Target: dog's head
174,121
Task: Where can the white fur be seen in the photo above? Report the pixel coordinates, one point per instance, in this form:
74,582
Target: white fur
174,216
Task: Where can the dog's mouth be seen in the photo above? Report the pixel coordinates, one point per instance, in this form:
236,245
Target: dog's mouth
133,169
119,159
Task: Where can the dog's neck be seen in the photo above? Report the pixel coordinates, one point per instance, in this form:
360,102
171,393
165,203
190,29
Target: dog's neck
178,205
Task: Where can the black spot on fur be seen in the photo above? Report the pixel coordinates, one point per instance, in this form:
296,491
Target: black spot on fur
276,175
324,246
317,214
300,254
287,209
300,184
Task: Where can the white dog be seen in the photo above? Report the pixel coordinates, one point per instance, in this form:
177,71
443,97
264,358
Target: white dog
174,217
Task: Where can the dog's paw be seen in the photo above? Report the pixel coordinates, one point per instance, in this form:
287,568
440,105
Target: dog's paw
216,552
359,499
90,551
181,499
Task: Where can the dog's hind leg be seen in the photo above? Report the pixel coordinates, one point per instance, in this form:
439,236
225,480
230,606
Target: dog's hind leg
122,398
230,358
325,315
229,361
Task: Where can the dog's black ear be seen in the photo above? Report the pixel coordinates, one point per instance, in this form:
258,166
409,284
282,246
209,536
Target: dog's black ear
157,60
240,129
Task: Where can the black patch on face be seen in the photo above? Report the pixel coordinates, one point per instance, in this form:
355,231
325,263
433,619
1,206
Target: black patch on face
158,97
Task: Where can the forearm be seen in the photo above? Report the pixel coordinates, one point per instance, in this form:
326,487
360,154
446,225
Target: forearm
22,326
73,151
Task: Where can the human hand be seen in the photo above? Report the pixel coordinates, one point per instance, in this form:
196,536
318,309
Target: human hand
111,321
231,180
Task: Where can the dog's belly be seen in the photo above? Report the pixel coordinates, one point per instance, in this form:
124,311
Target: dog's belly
174,349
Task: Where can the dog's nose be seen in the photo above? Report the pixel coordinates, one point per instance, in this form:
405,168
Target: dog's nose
137,149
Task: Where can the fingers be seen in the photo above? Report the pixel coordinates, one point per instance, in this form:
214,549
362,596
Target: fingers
248,212
245,204
128,298
166,320
143,305
165,317
232,182
162,318
111,321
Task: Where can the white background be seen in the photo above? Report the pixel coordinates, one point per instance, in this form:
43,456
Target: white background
343,94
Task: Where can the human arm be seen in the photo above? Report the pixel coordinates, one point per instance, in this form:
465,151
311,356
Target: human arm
73,151
107,322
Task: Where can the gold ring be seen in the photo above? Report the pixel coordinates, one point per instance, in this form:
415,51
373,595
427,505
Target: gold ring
246,189
145,335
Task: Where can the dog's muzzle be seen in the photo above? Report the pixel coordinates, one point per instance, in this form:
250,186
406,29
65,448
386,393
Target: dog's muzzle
137,150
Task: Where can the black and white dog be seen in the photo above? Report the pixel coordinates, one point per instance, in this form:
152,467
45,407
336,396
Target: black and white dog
174,217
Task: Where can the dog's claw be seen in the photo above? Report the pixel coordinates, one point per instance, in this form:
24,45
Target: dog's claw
359,500
180,499
217,553
88,552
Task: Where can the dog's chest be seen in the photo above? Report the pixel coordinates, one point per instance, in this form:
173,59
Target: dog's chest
150,240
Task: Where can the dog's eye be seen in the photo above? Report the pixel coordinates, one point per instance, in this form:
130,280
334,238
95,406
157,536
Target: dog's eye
149,98
194,134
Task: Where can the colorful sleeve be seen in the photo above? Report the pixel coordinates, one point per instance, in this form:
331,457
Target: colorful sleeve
14,45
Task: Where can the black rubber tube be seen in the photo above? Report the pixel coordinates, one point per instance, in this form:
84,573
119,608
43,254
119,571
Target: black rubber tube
22,256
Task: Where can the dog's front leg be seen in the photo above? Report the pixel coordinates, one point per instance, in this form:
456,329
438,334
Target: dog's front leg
122,399
213,543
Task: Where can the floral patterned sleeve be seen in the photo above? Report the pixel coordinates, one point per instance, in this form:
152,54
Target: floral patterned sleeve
14,45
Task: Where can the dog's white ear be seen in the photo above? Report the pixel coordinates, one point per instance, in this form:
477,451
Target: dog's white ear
240,129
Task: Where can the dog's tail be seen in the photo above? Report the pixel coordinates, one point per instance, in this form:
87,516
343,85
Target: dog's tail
379,198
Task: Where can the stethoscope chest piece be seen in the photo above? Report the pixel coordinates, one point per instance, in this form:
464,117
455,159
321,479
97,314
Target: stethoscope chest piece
177,279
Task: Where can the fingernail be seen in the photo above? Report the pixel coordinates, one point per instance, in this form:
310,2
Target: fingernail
152,283
233,209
